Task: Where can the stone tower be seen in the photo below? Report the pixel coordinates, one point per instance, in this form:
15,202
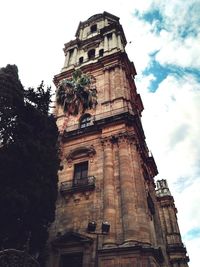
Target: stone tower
175,249
107,174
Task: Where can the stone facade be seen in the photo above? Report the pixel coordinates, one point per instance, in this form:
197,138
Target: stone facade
119,187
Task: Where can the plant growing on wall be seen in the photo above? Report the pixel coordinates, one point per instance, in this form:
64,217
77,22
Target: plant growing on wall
77,94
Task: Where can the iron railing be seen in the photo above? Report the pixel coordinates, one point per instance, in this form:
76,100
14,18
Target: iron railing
75,185
96,118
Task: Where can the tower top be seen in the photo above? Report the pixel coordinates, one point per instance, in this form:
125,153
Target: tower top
97,37
162,188
97,17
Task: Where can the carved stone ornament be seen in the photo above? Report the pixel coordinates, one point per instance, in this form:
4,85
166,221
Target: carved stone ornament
81,152
16,258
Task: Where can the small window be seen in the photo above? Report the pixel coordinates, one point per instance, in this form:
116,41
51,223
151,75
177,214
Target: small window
91,53
80,171
85,121
93,28
80,60
101,51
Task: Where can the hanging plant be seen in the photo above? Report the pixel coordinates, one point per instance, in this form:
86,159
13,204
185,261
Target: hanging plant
77,94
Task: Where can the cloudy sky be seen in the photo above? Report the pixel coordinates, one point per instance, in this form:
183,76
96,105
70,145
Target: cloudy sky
164,43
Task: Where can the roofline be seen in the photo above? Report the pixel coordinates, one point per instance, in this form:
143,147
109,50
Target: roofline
94,17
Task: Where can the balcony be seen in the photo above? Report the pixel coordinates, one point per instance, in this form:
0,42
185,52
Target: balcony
102,117
72,186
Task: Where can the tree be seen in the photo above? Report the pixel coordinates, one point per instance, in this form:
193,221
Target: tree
28,163
76,94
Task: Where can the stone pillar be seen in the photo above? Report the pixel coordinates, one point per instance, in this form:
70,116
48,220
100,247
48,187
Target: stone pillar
66,60
118,92
109,192
120,43
167,221
105,43
125,83
129,217
172,212
74,56
141,198
81,34
107,85
124,91
114,40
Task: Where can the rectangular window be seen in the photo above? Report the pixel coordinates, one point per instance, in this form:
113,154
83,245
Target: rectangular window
81,171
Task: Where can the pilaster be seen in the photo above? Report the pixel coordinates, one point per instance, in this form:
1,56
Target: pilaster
109,191
105,43
66,59
126,186
107,85
141,195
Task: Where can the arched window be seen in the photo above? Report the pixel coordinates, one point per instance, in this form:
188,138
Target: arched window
93,28
85,120
91,53
80,60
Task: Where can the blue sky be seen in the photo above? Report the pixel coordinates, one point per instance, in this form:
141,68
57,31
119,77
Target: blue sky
164,43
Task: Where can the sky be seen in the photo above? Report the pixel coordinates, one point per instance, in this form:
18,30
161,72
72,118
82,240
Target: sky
163,41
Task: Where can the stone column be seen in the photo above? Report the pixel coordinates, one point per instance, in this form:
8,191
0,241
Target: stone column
126,88
105,43
107,85
66,60
142,213
114,40
167,220
124,92
74,56
117,80
129,218
120,43
81,33
109,192
172,212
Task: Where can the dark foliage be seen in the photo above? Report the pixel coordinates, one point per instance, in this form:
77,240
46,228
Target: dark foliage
28,163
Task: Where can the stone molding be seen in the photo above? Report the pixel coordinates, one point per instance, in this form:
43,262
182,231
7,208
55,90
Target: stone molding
80,152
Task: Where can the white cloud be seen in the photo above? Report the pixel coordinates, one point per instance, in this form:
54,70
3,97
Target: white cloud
171,124
178,41
178,51
171,119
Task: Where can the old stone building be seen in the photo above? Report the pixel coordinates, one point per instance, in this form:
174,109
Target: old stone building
108,211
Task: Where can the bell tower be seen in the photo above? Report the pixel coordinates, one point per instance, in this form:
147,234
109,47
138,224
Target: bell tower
107,209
